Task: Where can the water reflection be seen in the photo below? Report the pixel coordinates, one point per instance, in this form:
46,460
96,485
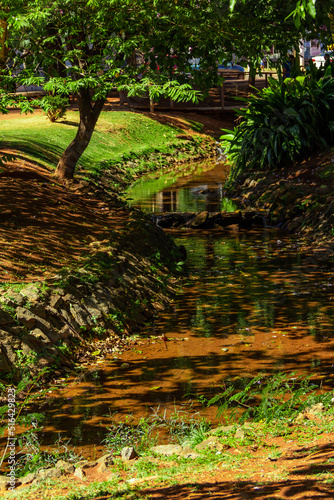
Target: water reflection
254,285
186,191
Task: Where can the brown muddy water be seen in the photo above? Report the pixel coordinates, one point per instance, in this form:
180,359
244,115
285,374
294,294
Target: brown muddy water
250,304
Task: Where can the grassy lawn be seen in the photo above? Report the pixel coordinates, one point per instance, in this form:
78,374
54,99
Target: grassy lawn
117,133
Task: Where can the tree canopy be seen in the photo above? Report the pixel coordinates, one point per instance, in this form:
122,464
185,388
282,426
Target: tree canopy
87,47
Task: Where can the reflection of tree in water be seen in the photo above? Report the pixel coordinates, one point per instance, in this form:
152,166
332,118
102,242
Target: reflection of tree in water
198,322
209,254
245,286
183,363
264,312
169,201
314,321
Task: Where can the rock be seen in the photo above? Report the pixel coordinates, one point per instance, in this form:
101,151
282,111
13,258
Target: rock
29,478
315,409
107,459
92,307
4,483
167,449
13,299
99,300
188,452
5,318
240,434
48,473
69,298
26,317
55,301
199,220
128,453
40,335
224,429
79,473
170,220
211,443
139,480
113,477
81,463
309,413
7,348
300,418
80,315
86,464
68,318
65,332
104,463
65,467
39,310
31,292
5,366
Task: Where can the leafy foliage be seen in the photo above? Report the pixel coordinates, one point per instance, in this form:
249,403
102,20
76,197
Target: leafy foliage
301,9
282,123
54,106
264,399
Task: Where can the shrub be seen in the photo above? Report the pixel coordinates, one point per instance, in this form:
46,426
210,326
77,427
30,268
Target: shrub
282,123
54,106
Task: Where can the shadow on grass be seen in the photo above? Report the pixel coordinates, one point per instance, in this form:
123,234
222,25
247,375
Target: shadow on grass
71,124
41,152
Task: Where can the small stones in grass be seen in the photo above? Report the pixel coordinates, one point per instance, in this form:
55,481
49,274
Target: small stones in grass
129,453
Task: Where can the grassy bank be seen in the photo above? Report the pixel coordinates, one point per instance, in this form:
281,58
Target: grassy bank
118,136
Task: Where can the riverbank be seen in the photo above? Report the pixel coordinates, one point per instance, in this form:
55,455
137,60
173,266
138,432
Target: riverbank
278,459
299,199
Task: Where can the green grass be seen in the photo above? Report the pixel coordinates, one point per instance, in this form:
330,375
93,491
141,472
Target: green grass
116,134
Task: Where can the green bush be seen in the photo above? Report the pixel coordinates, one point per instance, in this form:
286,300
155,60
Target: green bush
54,106
282,123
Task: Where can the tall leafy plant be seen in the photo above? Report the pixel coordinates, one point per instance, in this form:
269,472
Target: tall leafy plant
282,123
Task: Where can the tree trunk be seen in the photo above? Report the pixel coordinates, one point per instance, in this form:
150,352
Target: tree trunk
89,114
252,75
3,43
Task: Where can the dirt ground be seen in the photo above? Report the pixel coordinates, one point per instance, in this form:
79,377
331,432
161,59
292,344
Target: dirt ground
298,471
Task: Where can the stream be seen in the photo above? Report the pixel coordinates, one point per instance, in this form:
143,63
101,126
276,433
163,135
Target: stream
250,304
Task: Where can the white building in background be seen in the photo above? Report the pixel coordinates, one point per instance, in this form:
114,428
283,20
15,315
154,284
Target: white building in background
309,49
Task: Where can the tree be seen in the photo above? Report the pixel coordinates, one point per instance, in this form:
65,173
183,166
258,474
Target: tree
88,47
300,10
